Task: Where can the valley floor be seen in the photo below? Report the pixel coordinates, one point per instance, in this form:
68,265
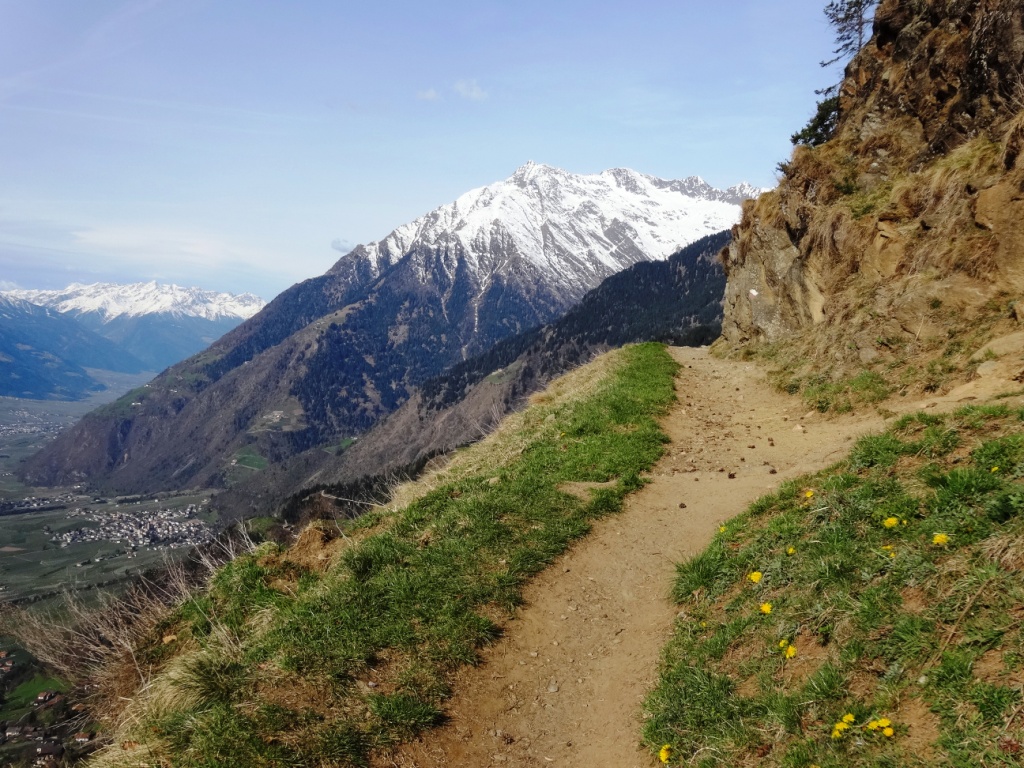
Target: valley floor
564,685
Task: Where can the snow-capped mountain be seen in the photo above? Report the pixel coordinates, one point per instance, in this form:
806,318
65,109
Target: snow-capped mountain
158,324
573,229
111,300
331,356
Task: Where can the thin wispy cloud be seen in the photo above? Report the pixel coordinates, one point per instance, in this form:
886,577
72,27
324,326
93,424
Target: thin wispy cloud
111,35
470,89
430,94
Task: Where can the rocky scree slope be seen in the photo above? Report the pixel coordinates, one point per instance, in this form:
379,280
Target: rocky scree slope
158,324
677,301
328,358
902,236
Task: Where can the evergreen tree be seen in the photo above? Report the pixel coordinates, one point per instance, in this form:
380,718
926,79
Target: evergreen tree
850,19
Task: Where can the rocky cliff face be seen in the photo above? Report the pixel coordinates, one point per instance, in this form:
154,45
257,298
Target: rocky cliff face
909,223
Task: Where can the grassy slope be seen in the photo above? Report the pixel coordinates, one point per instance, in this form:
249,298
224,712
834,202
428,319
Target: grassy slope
897,577
282,665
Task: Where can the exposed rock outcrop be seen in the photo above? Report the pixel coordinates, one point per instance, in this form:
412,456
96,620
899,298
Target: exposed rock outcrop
912,217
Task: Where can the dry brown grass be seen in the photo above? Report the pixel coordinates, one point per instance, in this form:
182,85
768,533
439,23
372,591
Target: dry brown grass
1013,141
1006,551
97,647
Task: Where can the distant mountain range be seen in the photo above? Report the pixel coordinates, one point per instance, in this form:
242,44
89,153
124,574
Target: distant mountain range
157,324
44,354
329,357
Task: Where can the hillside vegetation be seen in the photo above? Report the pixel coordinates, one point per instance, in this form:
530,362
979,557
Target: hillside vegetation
345,642
869,615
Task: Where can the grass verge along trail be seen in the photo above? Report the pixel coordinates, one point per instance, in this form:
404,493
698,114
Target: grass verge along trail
867,615
279,663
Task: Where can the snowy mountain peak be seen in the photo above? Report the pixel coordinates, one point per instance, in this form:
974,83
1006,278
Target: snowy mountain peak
111,300
574,229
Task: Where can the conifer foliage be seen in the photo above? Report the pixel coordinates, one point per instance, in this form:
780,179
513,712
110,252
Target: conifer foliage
851,20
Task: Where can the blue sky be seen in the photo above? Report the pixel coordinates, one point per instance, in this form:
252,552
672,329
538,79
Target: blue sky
227,144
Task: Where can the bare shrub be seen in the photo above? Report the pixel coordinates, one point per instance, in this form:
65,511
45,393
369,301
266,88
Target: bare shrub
97,647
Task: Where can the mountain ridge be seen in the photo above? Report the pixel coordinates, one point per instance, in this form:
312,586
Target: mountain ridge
112,300
44,354
329,357
157,324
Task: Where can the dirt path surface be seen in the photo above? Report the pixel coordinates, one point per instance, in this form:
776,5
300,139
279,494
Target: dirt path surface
563,687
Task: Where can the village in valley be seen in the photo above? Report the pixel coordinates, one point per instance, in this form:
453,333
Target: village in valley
164,528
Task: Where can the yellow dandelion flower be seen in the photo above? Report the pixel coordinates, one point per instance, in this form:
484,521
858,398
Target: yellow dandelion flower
890,522
721,529
809,493
766,608
873,725
839,730
940,539
755,576
884,722
848,717
888,731
783,643
790,651
791,551
887,547
666,753
703,624
892,555
995,469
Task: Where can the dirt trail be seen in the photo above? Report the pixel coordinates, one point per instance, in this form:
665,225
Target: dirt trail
564,685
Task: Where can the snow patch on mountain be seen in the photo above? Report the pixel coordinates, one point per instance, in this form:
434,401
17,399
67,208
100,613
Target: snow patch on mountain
567,225
111,300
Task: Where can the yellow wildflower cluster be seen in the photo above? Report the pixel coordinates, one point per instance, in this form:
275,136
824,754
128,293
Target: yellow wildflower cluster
839,729
787,648
882,725
891,522
791,551
766,608
888,548
666,753
755,576
940,539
